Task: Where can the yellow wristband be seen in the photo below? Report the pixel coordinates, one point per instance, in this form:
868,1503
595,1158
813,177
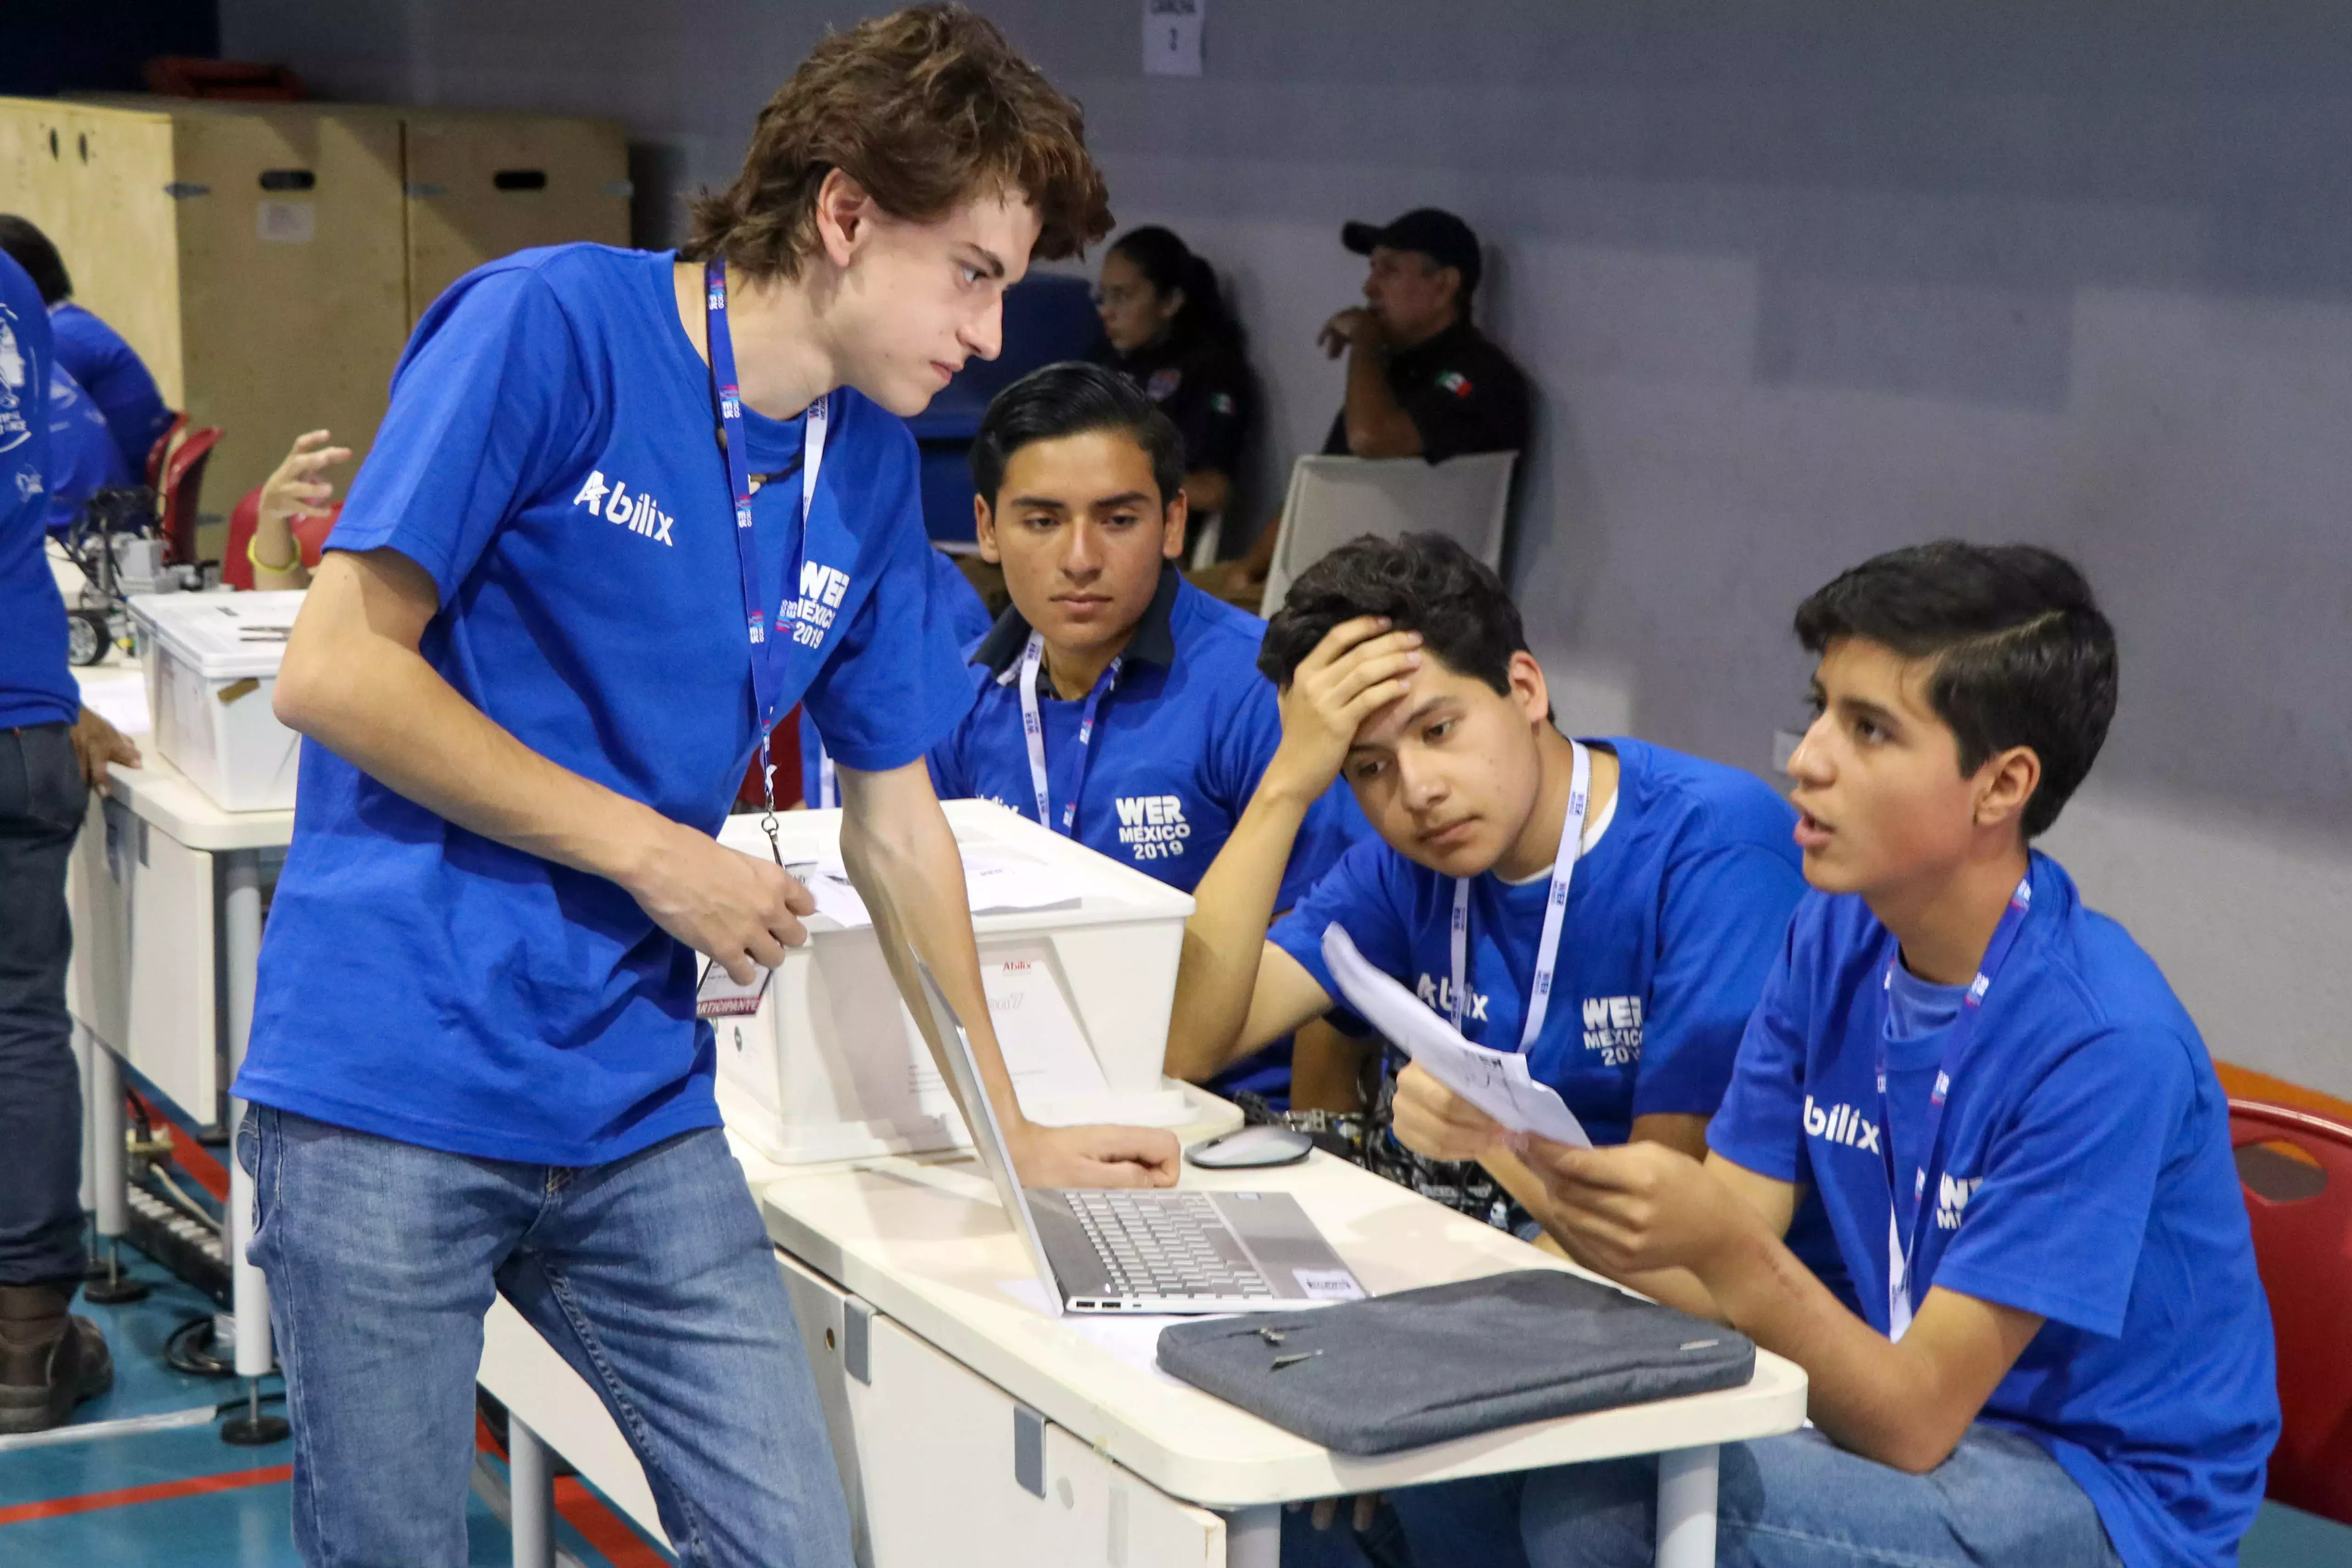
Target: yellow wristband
252,553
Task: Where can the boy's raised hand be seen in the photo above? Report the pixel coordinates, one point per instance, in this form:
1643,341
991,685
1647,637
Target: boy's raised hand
1637,1207
1358,668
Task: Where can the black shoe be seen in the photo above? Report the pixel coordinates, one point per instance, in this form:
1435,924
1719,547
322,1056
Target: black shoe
50,1359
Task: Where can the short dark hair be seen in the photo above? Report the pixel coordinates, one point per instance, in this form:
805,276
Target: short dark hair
1423,582
2022,655
1069,399
923,108
31,250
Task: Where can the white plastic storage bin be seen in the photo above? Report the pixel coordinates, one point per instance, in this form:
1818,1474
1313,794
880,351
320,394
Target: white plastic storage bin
831,1067
212,665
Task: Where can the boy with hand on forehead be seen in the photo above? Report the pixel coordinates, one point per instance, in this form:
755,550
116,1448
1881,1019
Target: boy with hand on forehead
1117,703
2064,1355
1404,669
625,509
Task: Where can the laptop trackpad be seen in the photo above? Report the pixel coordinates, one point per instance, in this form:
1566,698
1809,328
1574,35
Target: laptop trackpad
1287,1247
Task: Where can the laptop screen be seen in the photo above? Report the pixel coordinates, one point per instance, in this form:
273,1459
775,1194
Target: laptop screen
987,1136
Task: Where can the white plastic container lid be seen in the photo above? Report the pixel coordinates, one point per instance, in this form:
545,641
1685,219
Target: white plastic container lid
221,636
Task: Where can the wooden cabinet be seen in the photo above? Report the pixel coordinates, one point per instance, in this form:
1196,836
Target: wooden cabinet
269,260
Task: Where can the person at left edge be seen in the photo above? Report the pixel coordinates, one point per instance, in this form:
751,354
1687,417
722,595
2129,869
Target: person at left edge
93,352
967,617
1155,723
528,686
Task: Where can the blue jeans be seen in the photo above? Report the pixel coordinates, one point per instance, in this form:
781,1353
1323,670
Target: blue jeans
1793,1501
652,1276
42,798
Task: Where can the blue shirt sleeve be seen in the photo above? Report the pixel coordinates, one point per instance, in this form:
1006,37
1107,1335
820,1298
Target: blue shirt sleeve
1359,895
490,405
1724,921
118,382
894,684
1244,747
83,457
2056,1223
1761,1125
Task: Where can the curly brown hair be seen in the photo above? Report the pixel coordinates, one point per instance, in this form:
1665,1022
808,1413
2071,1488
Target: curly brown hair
924,109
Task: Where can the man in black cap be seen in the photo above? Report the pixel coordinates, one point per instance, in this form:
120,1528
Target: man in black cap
1423,382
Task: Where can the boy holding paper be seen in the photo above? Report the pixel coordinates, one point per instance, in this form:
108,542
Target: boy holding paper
2064,1356
1606,908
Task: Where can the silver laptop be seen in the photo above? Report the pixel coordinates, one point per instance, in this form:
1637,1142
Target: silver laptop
1132,1250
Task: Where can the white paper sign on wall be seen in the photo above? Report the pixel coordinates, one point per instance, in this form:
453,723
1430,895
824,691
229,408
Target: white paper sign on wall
1172,36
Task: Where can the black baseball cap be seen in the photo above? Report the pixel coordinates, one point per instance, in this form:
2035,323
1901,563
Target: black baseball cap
1435,233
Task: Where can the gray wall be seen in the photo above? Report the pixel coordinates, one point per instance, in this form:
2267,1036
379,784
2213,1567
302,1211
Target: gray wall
1798,281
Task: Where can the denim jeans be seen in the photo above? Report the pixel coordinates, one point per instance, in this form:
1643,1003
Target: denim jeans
651,1275
42,798
1792,1501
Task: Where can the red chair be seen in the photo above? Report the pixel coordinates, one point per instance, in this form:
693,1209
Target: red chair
237,559
2296,1170
175,497
162,450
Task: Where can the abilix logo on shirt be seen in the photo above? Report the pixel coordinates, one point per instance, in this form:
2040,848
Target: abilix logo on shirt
633,509
1841,1124
1154,825
1612,1025
1439,994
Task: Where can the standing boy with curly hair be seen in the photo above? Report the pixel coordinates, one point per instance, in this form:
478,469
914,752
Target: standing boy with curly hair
626,509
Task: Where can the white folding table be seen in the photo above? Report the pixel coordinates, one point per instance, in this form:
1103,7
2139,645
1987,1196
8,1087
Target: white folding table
970,1427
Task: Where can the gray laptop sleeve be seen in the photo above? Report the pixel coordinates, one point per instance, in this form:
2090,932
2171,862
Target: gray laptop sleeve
1448,1361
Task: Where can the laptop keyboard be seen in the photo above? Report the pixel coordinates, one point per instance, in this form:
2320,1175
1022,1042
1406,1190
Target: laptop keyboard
1165,1244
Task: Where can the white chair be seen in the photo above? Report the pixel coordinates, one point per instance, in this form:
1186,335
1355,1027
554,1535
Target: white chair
1334,499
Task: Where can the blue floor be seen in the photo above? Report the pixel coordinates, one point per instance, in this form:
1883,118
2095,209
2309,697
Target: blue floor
245,1527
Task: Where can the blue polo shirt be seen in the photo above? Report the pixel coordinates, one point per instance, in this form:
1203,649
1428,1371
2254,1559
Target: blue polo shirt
1180,743
549,459
83,458
116,378
36,685
967,615
1674,919
2086,1176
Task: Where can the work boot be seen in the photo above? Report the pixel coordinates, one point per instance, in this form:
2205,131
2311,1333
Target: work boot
50,1361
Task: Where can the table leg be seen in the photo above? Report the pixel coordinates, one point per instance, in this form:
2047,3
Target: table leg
248,1292
1253,1537
1687,1491
110,1178
530,1496
85,1043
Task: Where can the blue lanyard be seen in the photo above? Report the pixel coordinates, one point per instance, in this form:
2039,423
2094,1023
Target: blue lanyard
767,650
1033,731
1903,1242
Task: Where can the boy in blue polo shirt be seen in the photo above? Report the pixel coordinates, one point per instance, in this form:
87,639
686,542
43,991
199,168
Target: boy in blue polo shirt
583,572
968,619
2064,1356
1404,669
1153,723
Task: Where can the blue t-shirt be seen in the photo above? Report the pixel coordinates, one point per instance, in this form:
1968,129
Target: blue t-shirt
83,458
2087,1176
1673,921
550,459
967,616
1180,743
36,685
116,378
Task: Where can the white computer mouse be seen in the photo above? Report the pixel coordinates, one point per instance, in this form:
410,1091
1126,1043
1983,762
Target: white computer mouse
1250,1146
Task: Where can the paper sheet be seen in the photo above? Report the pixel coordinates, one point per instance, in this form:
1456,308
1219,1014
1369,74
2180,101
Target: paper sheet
1131,1337
1045,1050
996,884
1496,1082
